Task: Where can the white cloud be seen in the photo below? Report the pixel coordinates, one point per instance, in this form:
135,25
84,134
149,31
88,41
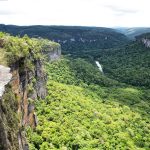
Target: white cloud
76,12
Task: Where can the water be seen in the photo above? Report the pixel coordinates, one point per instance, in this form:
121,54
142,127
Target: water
99,66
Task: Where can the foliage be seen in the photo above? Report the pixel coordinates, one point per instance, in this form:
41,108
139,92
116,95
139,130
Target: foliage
78,72
81,112
72,39
15,48
21,55
8,118
129,64
85,108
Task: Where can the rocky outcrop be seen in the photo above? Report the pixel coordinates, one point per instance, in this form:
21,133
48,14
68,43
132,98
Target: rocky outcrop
146,42
144,39
40,81
53,54
26,85
5,77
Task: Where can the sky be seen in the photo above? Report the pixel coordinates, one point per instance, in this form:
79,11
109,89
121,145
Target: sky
102,13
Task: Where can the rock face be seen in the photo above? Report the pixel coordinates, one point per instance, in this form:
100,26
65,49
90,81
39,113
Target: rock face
53,54
5,77
146,42
26,85
41,78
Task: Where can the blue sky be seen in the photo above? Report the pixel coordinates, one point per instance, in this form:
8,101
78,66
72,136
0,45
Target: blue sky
107,13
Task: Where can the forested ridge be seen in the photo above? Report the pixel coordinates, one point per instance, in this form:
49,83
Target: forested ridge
129,64
73,39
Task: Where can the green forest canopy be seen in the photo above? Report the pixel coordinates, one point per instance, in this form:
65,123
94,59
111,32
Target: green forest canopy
80,112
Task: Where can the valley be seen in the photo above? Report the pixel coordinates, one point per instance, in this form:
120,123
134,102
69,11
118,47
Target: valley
95,96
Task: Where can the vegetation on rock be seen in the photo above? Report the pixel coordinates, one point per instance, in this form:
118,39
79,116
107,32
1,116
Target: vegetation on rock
25,57
14,48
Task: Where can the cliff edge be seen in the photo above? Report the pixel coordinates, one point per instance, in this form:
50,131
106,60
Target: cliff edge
22,67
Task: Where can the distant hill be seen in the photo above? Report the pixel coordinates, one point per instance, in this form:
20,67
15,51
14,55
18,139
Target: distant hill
133,32
72,38
129,64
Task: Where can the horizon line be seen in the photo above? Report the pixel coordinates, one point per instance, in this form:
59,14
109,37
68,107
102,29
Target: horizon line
76,25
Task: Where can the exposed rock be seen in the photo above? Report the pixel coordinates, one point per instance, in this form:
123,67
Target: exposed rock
146,42
22,78
5,77
53,54
26,147
30,108
26,85
41,80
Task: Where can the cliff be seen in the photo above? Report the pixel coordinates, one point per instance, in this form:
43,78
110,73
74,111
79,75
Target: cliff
145,39
5,77
146,42
25,59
